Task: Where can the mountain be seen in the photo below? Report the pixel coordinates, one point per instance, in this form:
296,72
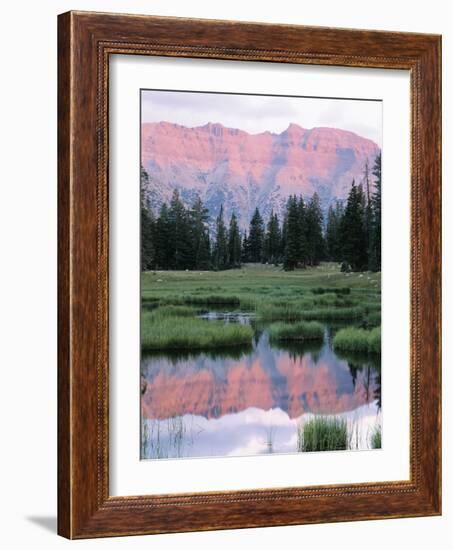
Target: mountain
244,171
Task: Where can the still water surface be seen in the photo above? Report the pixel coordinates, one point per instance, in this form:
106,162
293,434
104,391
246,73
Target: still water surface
251,400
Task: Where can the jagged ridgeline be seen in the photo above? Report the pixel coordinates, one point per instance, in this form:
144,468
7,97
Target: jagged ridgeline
178,236
242,171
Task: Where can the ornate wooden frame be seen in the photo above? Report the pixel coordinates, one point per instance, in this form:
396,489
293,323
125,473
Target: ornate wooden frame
85,41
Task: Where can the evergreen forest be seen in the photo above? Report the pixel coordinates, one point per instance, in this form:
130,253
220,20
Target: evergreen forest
180,238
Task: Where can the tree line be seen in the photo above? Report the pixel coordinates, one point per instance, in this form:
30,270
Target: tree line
179,237
353,230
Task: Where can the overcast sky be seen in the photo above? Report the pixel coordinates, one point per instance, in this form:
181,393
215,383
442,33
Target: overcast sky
256,114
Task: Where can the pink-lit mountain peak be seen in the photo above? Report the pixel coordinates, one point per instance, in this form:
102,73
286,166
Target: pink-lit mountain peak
243,171
293,130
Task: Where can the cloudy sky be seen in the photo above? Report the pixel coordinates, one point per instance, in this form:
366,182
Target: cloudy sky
256,114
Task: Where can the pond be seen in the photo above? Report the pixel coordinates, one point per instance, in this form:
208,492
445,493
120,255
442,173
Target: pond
253,399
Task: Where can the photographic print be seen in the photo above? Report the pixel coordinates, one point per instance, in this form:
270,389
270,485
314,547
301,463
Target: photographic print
260,274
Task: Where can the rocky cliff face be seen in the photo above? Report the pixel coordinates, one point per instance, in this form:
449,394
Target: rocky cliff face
243,171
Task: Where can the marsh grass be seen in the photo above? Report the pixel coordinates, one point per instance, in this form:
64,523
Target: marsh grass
374,340
333,300
337,290
322,433
165,438
333,313
259,279
150,301
304,310
192,298
373,319
312,294
166,311
212,299
358,340
297,331
288,311
270,434
179,333
376,437
372,306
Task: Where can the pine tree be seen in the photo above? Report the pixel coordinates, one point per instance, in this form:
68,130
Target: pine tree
272,240
292,227
180,235
314,231
199,216
302,232
256,237
339,213
220,252
283,239
333,242
375,248
245,249
147,252
368,214
203,254
353,230
164,252
234,243
331,234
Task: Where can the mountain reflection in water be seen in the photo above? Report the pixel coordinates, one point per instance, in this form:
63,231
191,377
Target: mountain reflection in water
249,400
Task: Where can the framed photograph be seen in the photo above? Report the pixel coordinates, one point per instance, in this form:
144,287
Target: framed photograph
249,275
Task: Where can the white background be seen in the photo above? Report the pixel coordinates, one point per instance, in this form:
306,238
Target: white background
28,271
129,475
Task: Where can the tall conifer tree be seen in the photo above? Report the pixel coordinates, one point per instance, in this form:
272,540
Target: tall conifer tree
331,234
245,249
147,222
256,237
234,243
333,240
272,240
368,214
375,260
220,252
199,216
302,231
181,245
353,230
314,231
292,232
164,251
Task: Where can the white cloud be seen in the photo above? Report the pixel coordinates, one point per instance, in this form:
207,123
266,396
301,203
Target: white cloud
255,113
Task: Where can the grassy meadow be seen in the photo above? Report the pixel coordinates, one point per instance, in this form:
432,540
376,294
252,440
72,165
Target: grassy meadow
292,304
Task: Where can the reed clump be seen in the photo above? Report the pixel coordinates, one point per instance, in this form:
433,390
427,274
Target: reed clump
323,433
179,333
297,331
358,340
376,438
